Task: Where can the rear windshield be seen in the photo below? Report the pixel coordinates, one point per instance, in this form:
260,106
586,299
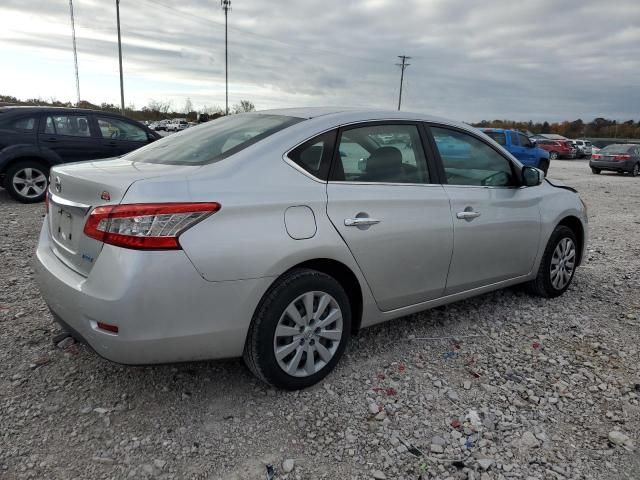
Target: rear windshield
212,141
498,137
615,149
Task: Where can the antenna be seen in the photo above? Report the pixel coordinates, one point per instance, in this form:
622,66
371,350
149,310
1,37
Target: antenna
75,53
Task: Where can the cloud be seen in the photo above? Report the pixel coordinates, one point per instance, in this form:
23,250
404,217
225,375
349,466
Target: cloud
471,60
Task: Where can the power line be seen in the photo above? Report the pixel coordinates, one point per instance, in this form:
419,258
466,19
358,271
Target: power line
402,66
75,53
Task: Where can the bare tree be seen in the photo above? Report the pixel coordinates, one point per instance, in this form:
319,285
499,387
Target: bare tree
159,106
188,106
244,106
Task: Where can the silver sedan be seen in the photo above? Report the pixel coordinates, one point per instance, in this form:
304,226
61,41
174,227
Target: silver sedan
276,235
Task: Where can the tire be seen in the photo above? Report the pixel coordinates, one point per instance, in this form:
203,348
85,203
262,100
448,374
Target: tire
595,171
546,284
553,155
291,293
544,166
635,171
27,181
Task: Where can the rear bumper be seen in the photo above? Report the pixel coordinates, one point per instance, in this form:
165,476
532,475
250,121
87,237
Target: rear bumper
625,166
165,311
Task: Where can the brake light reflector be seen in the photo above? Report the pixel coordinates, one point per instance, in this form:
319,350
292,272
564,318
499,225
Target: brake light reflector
146,226
108,327
622,157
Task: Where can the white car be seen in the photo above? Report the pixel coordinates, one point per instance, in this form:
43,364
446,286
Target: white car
277,235
177,124
583,148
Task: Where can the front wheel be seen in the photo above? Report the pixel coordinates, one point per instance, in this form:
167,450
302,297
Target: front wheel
553,156
636,170
595,171
299,330
558,264
27,181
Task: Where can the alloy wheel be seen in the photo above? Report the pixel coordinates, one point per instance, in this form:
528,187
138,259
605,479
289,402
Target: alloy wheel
29,182
563,263
308,334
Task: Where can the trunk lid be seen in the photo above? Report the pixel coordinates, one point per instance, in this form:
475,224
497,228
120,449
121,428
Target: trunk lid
76,189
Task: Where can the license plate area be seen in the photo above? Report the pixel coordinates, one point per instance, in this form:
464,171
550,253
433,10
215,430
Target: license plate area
63,228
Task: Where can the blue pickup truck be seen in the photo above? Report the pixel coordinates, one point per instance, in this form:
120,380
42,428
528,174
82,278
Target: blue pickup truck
519,145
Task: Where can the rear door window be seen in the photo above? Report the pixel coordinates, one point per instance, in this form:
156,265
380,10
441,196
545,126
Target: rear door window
71,125
499,137
314,156
26,124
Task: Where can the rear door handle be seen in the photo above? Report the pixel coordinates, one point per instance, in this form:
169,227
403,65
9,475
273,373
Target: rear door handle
360,221
467,215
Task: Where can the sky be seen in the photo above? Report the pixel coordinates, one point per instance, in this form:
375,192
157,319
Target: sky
471,60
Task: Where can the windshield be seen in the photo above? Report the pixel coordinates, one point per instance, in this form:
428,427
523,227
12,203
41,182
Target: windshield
212,141
615,149
498,137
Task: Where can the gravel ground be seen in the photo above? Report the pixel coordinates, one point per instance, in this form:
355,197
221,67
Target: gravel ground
513,387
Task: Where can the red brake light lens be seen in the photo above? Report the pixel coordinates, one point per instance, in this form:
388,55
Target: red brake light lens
148,226
596,156
622,157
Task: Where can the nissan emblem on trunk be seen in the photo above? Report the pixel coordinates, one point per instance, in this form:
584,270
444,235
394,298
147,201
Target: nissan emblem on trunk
105,196
58,185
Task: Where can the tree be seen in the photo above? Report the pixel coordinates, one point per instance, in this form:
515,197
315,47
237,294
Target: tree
244,106
546,127
188,106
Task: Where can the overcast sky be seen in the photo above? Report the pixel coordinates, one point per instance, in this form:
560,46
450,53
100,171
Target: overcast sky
472,60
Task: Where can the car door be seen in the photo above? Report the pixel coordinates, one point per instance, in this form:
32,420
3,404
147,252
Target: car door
529,156
69,135
119,136
496,221
517,149
384,201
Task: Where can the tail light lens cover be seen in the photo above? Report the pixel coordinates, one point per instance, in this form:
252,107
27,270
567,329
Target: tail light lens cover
622,157
146,226
596,156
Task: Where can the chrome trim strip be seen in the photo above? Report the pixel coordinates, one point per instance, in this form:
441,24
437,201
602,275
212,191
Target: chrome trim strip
67,203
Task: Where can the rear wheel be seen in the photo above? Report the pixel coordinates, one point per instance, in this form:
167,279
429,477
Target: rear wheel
27,181
595,170
553,156
636,170
299,330
558,264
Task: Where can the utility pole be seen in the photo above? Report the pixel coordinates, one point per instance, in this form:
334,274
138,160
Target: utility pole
402,66
120,58
226,6
75,53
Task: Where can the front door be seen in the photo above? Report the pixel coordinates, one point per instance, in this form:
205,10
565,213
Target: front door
396,223
69,135
496,222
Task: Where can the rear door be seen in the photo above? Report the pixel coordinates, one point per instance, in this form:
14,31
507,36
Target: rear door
496,222
119,136
385,202
69,135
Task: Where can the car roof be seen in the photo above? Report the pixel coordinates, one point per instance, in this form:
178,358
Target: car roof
44,108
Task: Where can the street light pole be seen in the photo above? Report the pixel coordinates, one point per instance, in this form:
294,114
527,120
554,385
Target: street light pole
402,66
226,6
120,58
75,52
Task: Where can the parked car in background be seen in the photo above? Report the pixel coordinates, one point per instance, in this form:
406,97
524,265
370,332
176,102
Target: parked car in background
583,148
177,124
519,145
33,139
557,148
619,157
277,235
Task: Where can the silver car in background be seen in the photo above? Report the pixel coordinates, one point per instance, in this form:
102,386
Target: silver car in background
276,235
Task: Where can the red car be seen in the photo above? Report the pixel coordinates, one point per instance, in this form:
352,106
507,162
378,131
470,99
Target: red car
557,148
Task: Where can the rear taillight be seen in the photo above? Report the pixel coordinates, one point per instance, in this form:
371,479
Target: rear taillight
146,226
622,157
596,156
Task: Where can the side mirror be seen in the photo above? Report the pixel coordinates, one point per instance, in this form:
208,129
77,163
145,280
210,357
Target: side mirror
532,176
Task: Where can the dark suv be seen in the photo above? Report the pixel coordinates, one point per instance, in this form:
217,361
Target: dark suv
33,139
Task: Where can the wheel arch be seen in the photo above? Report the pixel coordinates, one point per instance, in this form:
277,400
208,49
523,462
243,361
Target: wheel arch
345,277
577,228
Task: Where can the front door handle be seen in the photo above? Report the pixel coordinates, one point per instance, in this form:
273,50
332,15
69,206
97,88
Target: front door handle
360,221
467,215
